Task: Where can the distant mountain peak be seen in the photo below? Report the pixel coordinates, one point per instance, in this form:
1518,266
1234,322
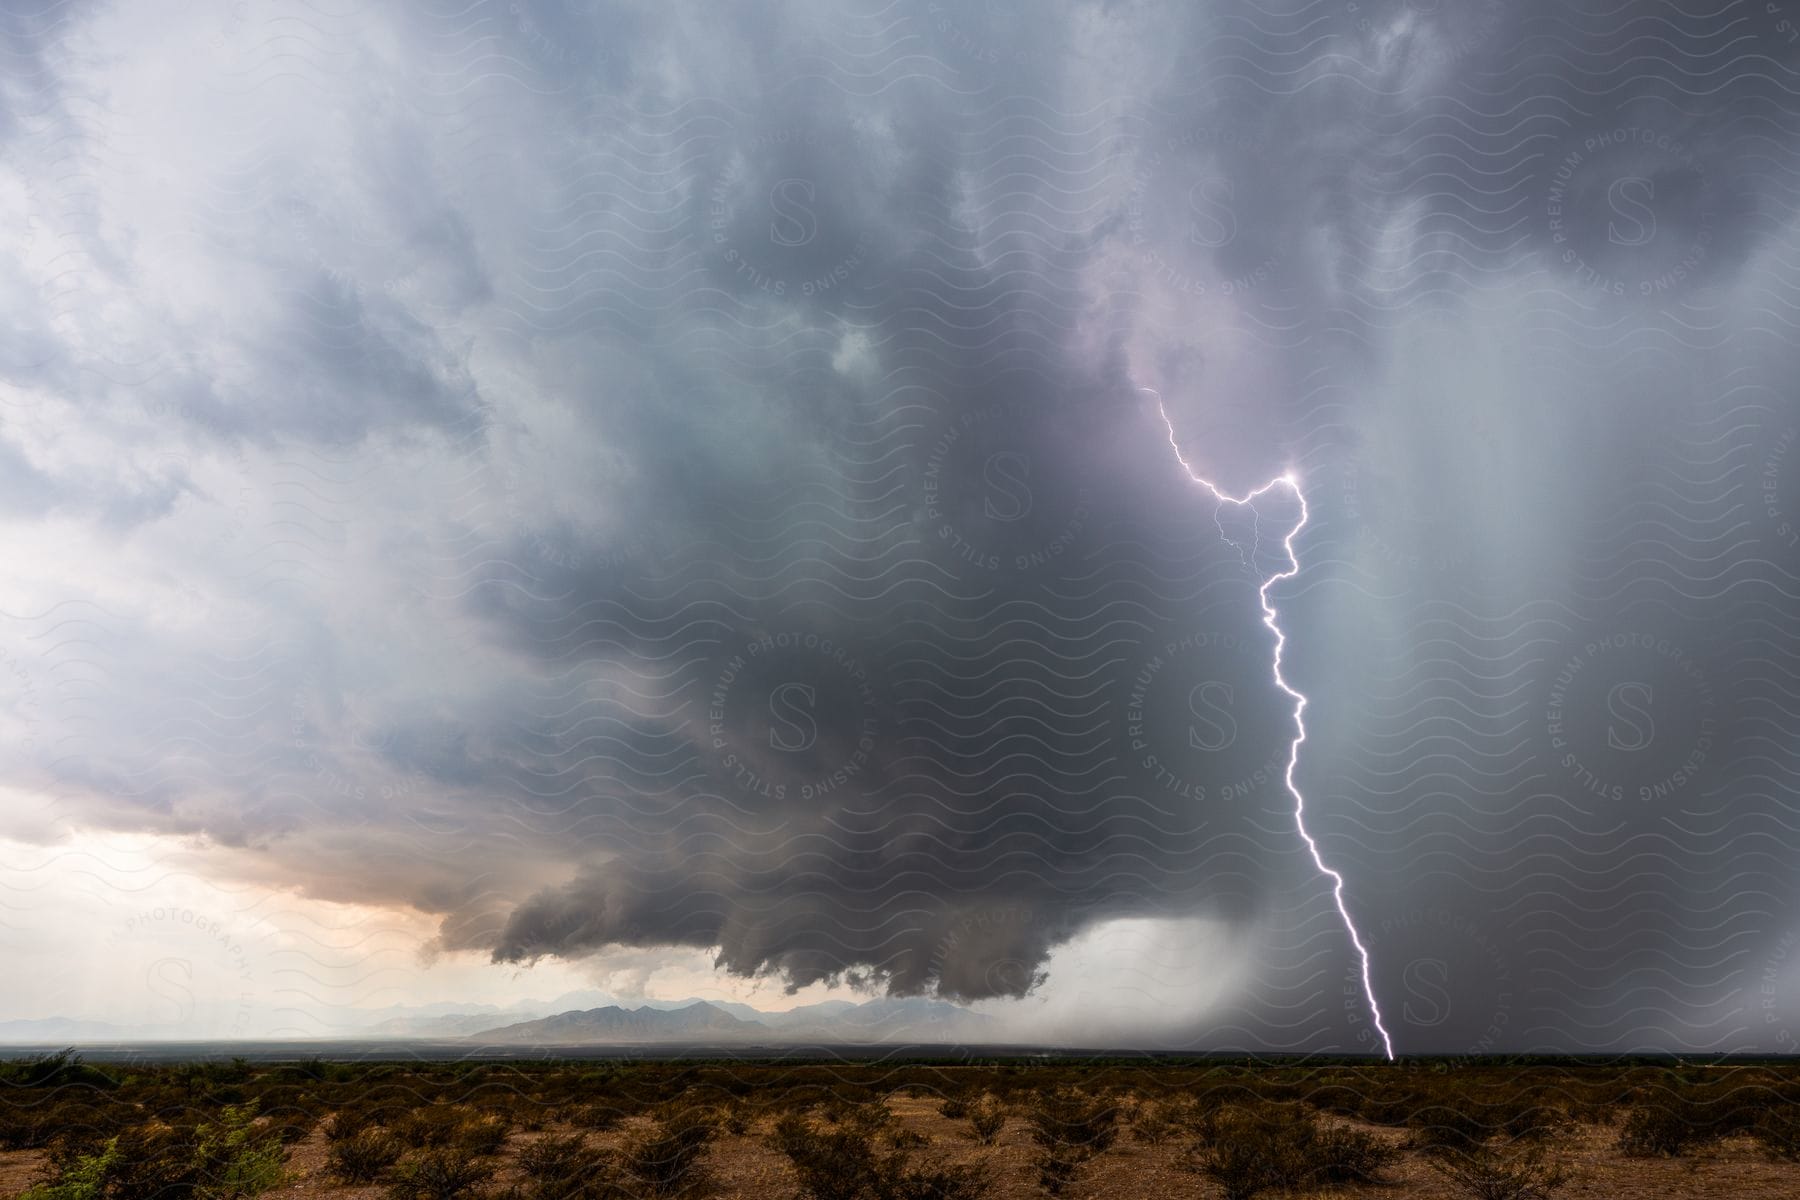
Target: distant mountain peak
913,1019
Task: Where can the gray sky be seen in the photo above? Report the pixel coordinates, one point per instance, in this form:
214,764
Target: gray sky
673,497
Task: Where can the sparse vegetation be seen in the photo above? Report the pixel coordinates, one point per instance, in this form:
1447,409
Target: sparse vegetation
483,1134
665,1160
1656,1131
544,1130
84,1177
567,1168
58,1069
1446,1127
1778,1131
987,1117
846,1162
1514,1174
1155,1122
442,1173
1249,1149
226,1158
363,1156
428,1127
1070,1128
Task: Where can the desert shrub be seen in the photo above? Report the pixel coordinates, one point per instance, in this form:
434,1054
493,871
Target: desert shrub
955,1106
482,1135
347,1123
1659,1130
832,1164
987,1117
1666,1120
141,1163
1533,1122
1343,1155
1778,1132
1735,1116
1485,1174
870,1115
1154,1123
873,1118
1441,1127
940,1181
1268,1146
313,1069
1069,1128
567,1168
153,1161
85,1177
1392,1106
34,1121
226,1158
1592,1112
846,1162
444,1173
290,1127
233,1158
429,1126
1071,1118
1057,1167
599,1117
665,1159
363,1156
57,1069
559,1157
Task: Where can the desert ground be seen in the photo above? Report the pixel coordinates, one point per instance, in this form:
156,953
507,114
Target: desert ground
897,1131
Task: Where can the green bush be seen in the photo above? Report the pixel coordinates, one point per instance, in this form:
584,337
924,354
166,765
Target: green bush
234,1158
83,1178
227,1158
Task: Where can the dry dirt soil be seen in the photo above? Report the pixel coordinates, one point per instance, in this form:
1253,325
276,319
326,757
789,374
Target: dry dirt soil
743,1167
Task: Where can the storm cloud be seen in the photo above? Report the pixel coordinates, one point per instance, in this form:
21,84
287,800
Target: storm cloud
632,476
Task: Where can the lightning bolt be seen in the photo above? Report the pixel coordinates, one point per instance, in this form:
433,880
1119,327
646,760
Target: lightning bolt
1272,619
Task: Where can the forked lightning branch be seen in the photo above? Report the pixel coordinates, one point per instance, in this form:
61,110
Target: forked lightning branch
1272,619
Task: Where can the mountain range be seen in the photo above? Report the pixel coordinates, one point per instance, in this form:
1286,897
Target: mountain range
883,1020
582,1017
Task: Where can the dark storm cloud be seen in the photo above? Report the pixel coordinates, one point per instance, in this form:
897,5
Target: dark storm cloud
658,476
